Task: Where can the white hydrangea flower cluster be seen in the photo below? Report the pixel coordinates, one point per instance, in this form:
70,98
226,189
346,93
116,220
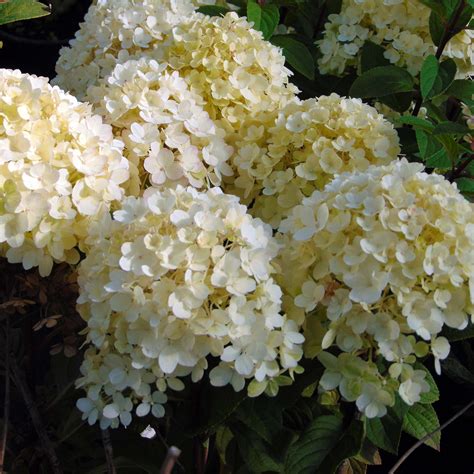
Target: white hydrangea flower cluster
230,65
169,137
400,26
310,142
388,253
241,77
178,276
59,169
113,32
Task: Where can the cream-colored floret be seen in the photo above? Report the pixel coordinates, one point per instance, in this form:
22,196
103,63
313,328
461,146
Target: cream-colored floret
60,168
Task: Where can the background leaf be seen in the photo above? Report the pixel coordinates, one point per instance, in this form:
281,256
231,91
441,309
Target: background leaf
385,432
382,81
265,18
323,446
16,10
297,54
213,10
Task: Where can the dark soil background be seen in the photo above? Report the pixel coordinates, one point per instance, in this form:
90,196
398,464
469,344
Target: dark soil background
34,47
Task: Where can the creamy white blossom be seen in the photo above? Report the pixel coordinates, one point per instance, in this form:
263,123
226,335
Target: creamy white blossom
310,142
401,27
60,168
392,248
178,276
169,137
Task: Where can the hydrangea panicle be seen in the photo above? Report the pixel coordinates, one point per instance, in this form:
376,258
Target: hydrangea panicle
60,167
389,255
178,276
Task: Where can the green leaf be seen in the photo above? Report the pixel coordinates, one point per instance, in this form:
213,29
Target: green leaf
433,395
436,27
385,432
258,455
447,73
465,185
213,10
324,445
382,81
456,371
220,405
462,89
297,54
416,122
439,159
434,5
450,128
454,335
253,414
421,420
399,102
428,75
16,10
223,437
265,18
313,334
372,56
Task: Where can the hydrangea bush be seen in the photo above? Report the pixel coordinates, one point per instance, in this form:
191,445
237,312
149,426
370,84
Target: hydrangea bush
264,212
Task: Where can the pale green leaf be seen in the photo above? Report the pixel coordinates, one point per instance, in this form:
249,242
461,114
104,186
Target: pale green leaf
16,10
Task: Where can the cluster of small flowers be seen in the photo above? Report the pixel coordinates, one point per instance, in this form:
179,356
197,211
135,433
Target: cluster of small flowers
177,276
169,137
241,77
59,169
400,26
223,59
186,105
388,253
310,142
181,275
113,32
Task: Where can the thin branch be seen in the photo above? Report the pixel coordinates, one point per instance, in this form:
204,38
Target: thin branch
450,29
35,416
447,35
171,458
6,405
167,446
457,172
428,436
109,451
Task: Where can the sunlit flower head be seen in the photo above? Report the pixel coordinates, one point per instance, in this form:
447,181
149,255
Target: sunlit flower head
60,168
